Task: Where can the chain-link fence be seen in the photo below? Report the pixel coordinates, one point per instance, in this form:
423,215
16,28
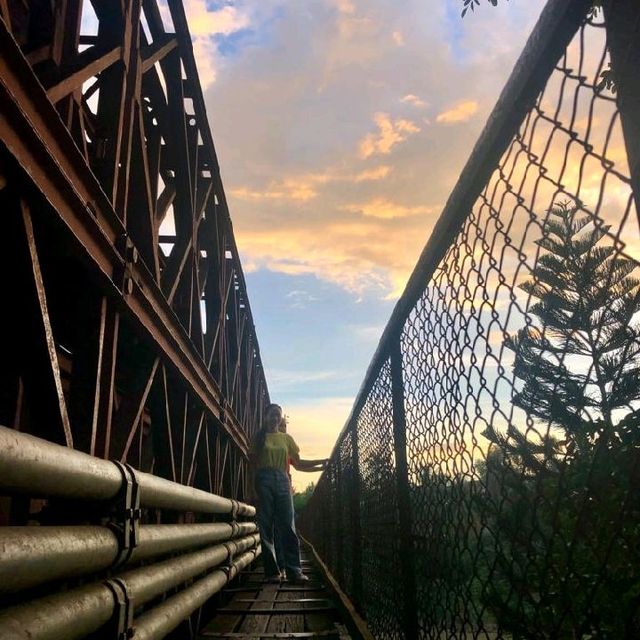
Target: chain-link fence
487,483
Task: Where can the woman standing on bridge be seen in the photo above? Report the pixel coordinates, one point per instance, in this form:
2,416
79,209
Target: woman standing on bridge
270,454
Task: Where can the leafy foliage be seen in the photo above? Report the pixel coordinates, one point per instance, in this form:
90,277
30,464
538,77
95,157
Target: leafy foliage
564,493
607,80
301,498
472,4
467,5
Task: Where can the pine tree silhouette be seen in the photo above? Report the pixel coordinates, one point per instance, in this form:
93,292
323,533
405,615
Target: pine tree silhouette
580,362
566,504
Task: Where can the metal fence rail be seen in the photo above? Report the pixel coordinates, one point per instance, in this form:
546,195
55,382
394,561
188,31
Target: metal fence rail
486,484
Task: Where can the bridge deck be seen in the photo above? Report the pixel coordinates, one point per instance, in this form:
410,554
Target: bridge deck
256,610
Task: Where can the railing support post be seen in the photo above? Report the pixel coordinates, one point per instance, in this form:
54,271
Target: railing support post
405,537
622,19
339,522
356,540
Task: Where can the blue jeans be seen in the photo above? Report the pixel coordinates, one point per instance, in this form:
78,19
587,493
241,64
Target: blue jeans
276,516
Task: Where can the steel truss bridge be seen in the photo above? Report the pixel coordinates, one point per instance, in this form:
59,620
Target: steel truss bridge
486,482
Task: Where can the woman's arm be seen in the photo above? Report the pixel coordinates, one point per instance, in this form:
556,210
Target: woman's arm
310,465
300,464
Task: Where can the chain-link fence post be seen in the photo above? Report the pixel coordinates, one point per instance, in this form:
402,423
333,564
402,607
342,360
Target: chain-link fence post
622,20
404,521
356,532
339,520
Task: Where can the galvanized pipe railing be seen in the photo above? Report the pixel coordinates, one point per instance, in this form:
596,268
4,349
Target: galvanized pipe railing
34,555
114,495
37,467
79,612
159,621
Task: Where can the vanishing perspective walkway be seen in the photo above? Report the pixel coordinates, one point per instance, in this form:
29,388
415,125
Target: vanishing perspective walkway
256,610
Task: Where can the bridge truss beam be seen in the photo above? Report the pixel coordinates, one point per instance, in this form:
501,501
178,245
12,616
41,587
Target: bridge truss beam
130,332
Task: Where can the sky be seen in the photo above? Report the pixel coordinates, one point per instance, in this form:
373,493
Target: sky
341,127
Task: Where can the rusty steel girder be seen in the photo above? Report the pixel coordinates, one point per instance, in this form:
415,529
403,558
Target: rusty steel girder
130,334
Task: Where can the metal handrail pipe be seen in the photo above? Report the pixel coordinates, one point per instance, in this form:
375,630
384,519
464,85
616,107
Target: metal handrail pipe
37,467
160,493
158,539
161,620
79,612
148,582
35,555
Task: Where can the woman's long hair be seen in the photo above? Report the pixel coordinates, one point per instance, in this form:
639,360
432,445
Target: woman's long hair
261,436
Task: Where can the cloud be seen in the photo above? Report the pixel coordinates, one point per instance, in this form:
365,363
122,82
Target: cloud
382,208
372,174
286,190
306,186
345,6
398,38
292,117
281,380
367,333
204,25
301,299
291,113
364,255
414,100
390,133
205,52
460,112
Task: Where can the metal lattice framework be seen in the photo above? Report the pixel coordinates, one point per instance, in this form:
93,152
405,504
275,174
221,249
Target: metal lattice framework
486,483
128,332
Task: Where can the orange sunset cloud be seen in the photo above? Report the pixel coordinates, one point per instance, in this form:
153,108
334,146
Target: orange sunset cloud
461,112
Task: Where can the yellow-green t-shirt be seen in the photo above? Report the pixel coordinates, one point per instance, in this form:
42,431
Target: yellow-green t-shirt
278,448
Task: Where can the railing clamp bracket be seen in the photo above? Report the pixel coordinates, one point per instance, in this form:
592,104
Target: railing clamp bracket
125,521
228,565
121,625
235,508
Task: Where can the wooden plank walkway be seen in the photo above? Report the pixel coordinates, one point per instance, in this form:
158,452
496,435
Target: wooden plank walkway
254,610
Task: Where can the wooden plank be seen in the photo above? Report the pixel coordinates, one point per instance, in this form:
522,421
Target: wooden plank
258,623
356,624
223,623
276,635
293,599
275,611
286,619
249,589
317,621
